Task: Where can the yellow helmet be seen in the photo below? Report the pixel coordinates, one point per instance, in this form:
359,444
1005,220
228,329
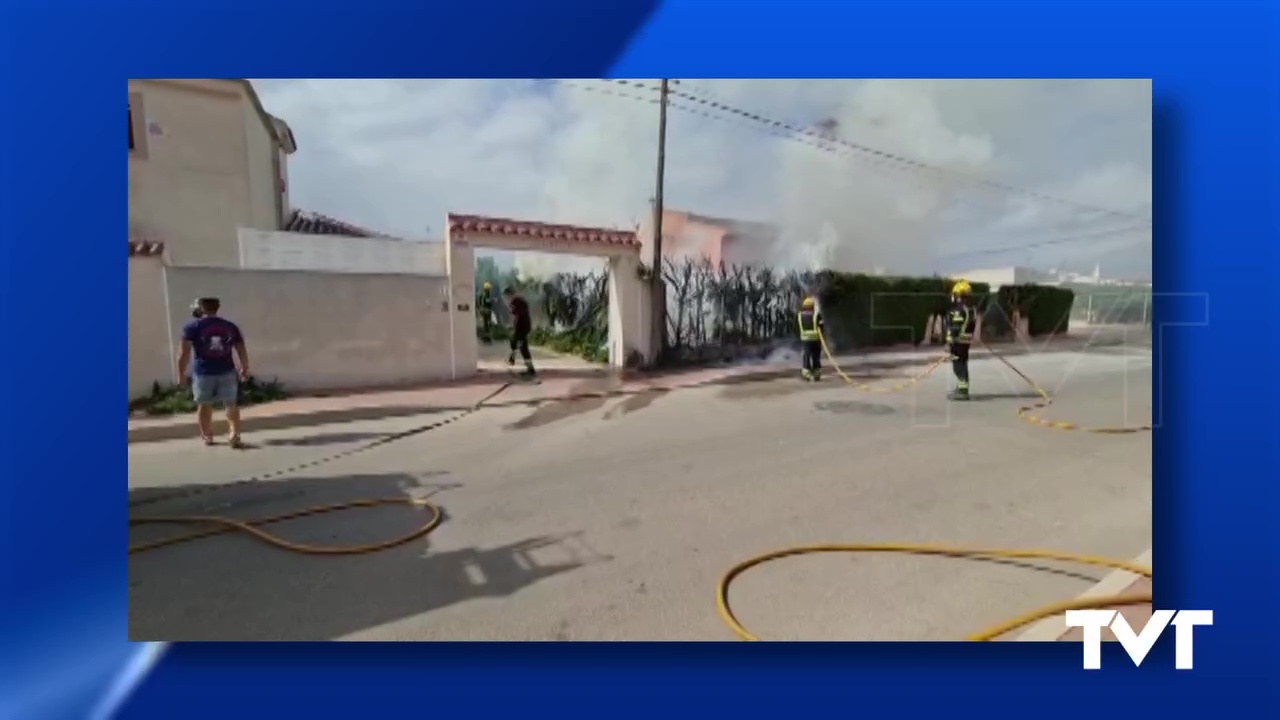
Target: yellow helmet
962,288
488,285
807,304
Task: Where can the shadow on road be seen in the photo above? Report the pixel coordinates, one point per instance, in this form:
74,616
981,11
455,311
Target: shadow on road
744,389
586,397
1025,395
556,410
635,403
853,407
1042,566
235,587
324,439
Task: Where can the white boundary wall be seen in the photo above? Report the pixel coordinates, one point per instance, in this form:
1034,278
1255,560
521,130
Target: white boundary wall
269,250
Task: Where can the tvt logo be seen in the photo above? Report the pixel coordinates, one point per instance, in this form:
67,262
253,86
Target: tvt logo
1140,643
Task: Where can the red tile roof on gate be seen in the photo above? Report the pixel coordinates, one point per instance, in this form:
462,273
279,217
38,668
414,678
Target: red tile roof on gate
546,231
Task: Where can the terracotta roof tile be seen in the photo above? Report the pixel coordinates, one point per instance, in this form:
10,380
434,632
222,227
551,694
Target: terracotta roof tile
525,228
310,223
145,248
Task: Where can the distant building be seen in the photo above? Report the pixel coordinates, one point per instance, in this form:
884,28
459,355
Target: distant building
1072,278
999,277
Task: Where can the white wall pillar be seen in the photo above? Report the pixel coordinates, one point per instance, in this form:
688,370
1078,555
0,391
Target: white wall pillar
461,265
629,330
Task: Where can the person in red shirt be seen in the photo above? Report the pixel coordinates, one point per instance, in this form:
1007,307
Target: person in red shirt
521,326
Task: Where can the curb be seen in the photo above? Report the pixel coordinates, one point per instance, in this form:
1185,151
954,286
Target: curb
177,431
1053,628
249,423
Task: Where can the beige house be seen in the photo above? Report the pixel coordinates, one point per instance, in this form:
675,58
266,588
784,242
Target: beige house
206,164
205,159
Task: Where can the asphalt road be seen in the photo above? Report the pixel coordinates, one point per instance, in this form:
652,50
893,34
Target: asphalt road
613,519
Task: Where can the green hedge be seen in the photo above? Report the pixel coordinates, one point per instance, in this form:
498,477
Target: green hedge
587,342
870,311
1112,305
176,399
1047,308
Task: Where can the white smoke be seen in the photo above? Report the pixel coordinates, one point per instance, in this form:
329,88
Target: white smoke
396,155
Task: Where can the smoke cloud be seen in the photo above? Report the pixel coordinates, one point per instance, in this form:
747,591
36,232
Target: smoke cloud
396,155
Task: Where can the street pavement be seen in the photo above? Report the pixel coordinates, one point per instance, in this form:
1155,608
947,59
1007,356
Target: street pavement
612,518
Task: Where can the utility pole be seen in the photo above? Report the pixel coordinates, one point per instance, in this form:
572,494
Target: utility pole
659,290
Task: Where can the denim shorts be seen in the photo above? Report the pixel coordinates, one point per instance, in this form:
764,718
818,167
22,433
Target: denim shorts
215,389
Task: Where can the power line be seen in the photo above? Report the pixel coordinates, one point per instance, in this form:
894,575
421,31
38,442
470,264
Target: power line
1069,240
893,157
809,138
814,140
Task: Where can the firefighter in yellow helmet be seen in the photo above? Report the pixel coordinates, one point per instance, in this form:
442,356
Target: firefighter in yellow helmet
961,321
810,340
484,308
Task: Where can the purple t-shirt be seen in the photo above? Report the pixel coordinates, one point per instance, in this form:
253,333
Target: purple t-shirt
212,341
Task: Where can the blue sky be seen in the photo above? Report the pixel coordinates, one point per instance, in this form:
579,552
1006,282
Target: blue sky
396,155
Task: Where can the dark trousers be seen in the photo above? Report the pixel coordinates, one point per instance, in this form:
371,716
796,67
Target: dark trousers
811,355
960,365
520,341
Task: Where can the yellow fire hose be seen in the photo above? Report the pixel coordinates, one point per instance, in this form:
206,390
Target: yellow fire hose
996,631
726,613
826,350
224,525
1025,413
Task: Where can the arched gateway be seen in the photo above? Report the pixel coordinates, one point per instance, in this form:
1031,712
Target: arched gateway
629,296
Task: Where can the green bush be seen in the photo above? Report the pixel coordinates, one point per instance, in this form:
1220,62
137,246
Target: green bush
176,399
587,342
496,332
1046,308
871,311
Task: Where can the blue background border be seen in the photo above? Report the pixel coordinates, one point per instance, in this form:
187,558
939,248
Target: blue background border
1216,67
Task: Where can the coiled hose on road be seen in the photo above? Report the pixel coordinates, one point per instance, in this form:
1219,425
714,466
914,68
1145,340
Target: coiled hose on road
991,633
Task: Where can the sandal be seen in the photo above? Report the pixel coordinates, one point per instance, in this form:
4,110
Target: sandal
208,440
235,442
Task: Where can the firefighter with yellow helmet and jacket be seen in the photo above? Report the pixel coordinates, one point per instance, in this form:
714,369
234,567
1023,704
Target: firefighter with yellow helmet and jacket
484,308
962,319
810,340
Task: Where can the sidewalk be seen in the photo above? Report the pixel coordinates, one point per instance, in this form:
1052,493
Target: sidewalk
1119,582
496,389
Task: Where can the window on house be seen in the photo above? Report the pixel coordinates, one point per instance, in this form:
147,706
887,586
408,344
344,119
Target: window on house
138,149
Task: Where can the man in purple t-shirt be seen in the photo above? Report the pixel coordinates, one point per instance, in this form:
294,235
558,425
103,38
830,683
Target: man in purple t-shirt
213,341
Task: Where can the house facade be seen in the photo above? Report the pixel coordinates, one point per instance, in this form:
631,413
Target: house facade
205,159
207,164
734,242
